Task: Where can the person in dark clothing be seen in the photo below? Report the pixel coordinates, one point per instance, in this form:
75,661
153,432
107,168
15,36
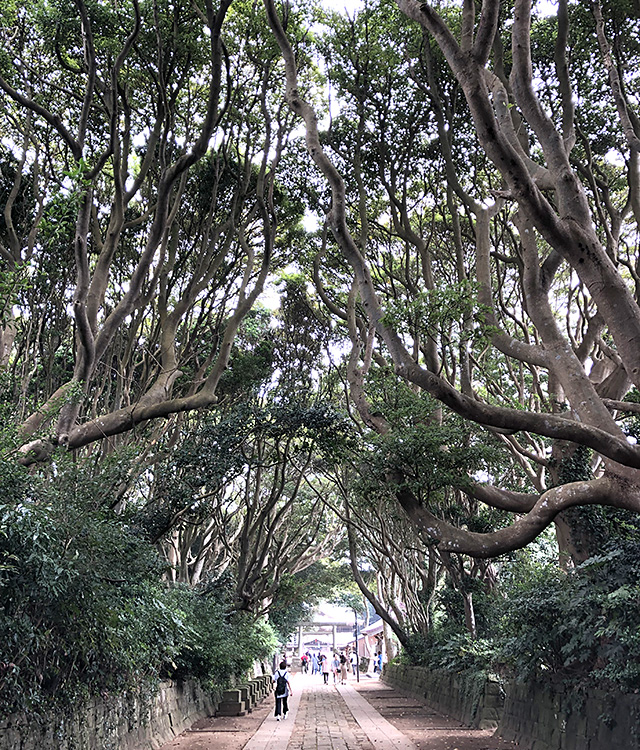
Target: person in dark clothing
343,669
283,690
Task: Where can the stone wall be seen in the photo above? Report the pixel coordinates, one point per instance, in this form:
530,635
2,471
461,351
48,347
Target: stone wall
473,701
129,722
539,717
534,715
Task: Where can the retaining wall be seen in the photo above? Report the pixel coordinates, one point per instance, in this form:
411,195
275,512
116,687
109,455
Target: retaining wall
536,716
540,717
242,698
473,701
129,722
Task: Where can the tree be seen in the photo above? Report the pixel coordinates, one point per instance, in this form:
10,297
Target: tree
410,570
544,222
140,206
234,499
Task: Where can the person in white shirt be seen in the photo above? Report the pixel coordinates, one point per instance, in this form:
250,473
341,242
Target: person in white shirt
283,690
354,661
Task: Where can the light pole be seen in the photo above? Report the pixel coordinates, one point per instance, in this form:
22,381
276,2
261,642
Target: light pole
357,649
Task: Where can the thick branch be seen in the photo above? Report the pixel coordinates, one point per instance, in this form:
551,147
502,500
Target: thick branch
630,132
603,491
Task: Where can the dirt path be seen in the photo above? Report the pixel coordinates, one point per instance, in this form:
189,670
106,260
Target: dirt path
222,732
426,728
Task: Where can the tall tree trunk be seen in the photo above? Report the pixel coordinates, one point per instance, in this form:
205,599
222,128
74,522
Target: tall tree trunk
469,614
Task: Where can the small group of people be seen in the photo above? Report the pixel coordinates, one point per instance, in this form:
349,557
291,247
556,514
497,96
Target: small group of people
377,662
338,665
305,660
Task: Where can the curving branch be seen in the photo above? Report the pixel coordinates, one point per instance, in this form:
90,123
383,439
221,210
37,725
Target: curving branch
614,446
629,121
603,491
487,30
379,607
567,230
562,70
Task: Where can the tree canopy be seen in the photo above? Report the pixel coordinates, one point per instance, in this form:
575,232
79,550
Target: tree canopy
489,223
279,285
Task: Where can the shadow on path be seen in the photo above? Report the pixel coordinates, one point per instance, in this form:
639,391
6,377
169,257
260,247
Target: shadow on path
425,727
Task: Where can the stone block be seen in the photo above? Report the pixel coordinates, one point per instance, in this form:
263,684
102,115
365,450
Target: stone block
507,732
248,696
494,700
575,742
232,695
231,708
545,727
487,724
491,713
252,696
555,738
264,686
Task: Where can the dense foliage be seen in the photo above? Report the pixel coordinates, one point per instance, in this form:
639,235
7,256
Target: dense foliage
450,376
577,629
580,627
84,609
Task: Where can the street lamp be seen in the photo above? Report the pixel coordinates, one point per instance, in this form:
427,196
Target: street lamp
355,613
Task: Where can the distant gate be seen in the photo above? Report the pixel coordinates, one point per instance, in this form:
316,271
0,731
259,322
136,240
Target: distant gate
334,634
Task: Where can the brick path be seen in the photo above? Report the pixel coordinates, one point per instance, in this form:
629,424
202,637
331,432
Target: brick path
325,723
328,717
337,717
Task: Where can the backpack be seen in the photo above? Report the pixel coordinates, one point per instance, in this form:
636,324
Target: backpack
281,684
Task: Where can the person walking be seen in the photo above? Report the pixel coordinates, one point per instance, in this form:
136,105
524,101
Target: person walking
324,666
343,669
354,661
283,690
315,667
335,668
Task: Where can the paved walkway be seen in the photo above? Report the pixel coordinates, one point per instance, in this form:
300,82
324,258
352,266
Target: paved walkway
338,717
328,717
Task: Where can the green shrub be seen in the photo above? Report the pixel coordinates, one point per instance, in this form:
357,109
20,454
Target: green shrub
84,609
450,651
80,599
217,642
580,627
